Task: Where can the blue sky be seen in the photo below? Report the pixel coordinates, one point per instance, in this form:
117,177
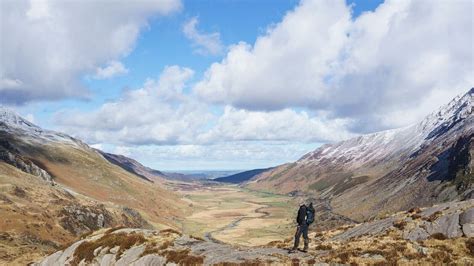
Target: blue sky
191,84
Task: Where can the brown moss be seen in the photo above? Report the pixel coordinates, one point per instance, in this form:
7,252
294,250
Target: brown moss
85,251
416,216
439,236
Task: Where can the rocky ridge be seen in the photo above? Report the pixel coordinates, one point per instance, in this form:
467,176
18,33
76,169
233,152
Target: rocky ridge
446,238
423,164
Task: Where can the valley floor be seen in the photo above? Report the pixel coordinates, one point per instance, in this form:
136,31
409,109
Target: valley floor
234,215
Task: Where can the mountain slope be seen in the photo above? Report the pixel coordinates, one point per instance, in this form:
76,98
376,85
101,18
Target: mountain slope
134,167
52,181
388,171
241,177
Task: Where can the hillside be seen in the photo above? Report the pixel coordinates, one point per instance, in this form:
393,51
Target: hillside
439,234
241,177
134,167
54,188
388,171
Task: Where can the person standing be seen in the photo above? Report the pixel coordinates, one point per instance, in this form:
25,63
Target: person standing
304,218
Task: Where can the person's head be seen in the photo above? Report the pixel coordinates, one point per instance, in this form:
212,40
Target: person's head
301,202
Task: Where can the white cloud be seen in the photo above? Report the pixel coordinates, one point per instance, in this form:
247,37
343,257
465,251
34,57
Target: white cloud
49,45
6,83
204,43
242,125
225,156
157,113
161,113
402,56
113,68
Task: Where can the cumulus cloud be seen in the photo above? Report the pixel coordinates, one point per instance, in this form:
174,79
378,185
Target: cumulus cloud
242,125
225,156
162,113
113,68
157,113
405,55
204,43
48,45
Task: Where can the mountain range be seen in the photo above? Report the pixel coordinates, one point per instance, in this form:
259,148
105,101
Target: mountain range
54,188
418,165
60,188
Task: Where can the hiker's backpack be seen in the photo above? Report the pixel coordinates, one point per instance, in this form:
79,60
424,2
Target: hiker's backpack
309,216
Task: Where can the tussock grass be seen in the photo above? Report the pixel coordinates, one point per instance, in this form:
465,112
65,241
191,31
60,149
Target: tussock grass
414,210
433,217
170,231
182,257
470,245
324,247
85,251
400,224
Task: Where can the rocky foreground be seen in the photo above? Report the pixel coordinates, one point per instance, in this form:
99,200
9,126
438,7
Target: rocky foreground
439,234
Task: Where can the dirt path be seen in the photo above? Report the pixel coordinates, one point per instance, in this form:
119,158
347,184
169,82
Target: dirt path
208,235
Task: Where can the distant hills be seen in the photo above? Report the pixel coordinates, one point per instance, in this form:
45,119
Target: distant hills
418,165
241,177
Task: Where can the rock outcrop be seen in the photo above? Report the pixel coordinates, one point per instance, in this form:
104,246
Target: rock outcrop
384,241
24,165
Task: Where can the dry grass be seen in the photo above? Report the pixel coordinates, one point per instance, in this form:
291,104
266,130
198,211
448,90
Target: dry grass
113,229
441,256
324,247
85,251
182,257
470,245
150,249
170,231
400,224
197,238
414,210
433,217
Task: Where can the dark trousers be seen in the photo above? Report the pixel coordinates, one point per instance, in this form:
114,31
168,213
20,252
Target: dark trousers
301,230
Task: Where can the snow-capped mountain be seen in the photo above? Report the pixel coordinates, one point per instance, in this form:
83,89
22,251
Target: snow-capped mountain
15,124
381,146
421,164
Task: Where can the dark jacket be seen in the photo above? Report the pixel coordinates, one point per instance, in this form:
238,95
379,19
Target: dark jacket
301,218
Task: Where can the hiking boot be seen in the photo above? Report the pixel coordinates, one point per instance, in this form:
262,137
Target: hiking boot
305,248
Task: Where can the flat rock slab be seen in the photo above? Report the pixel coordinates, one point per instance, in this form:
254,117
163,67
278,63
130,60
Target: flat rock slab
467,217
370,228
468,230
447,225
